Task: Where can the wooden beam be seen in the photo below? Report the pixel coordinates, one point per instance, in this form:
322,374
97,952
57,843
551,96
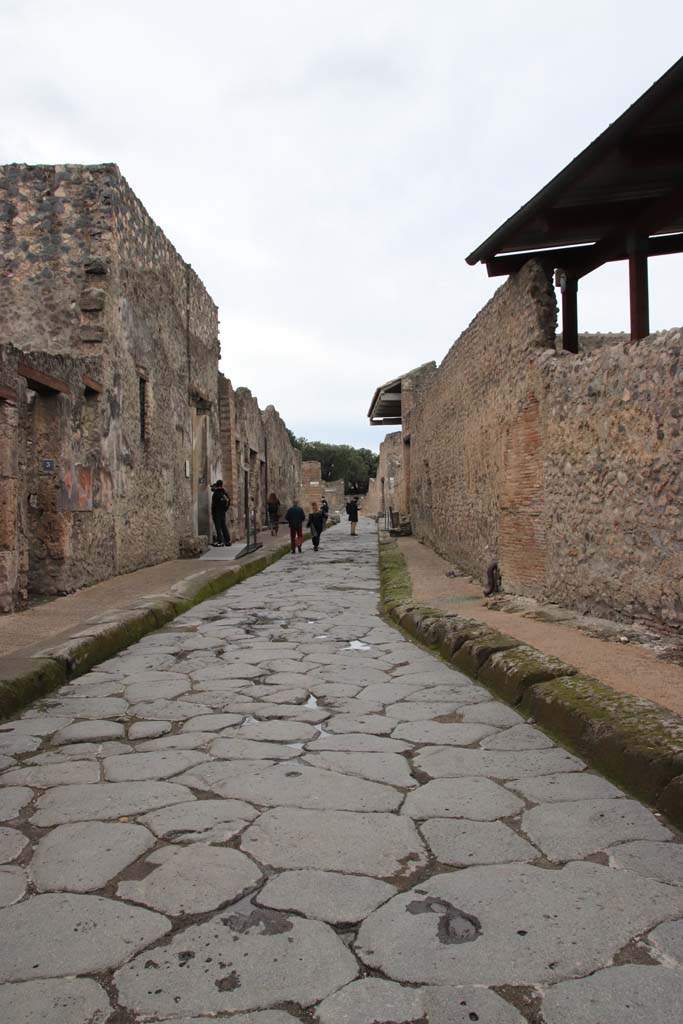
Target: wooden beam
499,266
8,395
570,314
42,382
638,286
92,385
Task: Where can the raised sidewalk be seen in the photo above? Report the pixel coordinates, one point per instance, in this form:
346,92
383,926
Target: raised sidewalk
46,645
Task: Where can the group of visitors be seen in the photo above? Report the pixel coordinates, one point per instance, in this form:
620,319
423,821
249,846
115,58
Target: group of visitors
295,518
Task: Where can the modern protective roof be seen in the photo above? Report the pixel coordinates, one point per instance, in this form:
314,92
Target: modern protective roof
629,179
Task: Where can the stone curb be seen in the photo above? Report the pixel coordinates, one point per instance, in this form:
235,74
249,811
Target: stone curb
632,741
103,640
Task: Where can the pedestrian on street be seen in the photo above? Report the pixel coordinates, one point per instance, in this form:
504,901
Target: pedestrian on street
325,510
295,516
352,513
316,524
273,513
220,503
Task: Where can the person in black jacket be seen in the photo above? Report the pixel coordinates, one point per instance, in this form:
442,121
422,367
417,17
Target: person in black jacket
316,524
352,513
220,503
295,517
325,512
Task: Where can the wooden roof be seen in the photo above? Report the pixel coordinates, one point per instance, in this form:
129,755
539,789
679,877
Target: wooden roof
630,179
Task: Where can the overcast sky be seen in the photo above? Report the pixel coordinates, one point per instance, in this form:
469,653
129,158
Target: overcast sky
326,167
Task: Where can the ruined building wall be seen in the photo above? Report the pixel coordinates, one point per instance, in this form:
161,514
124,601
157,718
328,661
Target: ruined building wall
284,461
87,275
465,429
613,469
311,485
567,468
256,442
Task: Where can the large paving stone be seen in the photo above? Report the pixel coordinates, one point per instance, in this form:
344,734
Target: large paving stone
565,786
475,842
477,799
371,1000
211,723
237,962
177,741
455,734
18,743
360,742
333,689
379,845
158,689
194,880
391,769
200,821
161,764
170,710
570,830
101,934
325,895
66,773
13,800
377,725
148,730
87,855
252,750
275,732
512,924
519,737
423,711
374,999
492,713
453,762
620,995
40,725
54,1001
80,752
668,938
293,786
264,711
12,884
12,842
260,1017
389,692
96,708
6,761
654,860
90,731
105,800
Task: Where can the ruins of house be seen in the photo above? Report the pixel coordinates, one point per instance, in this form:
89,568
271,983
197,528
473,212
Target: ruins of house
314,488
257,458
109,412
564,462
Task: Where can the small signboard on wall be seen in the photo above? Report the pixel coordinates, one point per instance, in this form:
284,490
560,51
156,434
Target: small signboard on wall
48,465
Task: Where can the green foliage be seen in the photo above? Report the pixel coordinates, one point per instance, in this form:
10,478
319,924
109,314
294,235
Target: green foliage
354,466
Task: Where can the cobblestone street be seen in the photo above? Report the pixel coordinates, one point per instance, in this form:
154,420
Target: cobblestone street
279,808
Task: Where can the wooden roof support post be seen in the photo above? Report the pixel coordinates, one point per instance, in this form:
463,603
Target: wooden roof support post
569,287
638,285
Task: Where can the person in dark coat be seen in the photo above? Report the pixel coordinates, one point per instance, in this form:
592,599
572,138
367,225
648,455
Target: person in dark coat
352,513
295,516
325,511
220,503
316,524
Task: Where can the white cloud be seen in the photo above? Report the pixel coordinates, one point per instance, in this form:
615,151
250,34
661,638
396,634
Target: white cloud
326,167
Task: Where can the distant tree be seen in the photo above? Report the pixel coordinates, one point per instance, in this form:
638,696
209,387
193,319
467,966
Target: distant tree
354,466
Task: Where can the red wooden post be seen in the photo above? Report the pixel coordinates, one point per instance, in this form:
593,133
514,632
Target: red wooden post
638,285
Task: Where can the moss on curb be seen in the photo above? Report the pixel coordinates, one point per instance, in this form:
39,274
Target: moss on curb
634,742
78,656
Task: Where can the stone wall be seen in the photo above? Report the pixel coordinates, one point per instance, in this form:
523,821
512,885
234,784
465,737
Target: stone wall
613,470
566,468
257,457
88,277
314,489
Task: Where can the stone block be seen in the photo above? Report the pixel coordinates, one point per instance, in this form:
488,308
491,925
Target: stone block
509,673
92,300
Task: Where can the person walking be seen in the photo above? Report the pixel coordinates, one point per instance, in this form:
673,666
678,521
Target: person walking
316,524
325,511
220,503
273,513
295,517
352,513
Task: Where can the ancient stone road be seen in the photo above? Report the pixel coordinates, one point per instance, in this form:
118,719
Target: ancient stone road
281,809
